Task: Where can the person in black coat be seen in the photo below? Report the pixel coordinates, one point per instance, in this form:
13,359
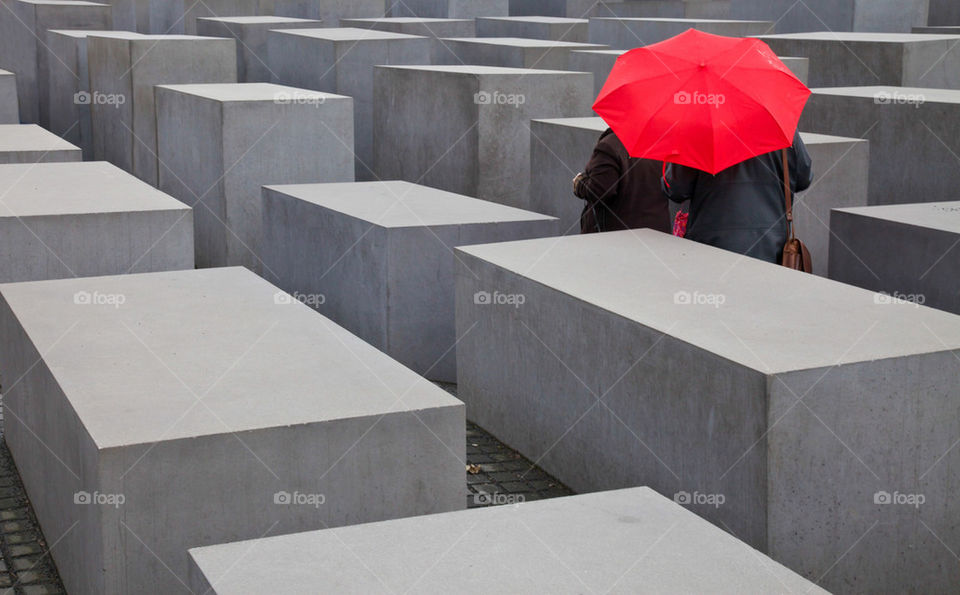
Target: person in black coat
742,208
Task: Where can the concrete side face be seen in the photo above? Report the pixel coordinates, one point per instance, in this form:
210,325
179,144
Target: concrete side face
252,50
598,63
628,34
574,31
557,153
328,11
891,16
888,15
871,434
9,104
450,9
66,78
899,259
943,13
109,64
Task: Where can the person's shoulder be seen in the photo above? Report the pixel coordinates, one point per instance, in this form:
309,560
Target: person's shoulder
610,140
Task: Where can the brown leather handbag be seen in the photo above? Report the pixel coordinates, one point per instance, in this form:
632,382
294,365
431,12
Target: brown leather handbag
795,254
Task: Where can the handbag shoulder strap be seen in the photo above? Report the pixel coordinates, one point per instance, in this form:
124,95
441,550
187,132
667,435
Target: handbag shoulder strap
787,194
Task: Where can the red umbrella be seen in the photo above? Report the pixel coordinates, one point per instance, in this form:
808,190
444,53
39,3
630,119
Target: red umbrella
702,100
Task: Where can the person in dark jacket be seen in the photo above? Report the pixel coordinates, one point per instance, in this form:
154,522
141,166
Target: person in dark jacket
742,208
621,192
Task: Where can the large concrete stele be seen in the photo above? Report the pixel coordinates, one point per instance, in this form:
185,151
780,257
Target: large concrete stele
181,16
251,35
436,29
220,143
165,411
86,219
9,103
342,61
884,16
471,134
124,72
629,33
449,9
384,261
625,541
552,28
678,9
905,251
805,416
515,52
29,143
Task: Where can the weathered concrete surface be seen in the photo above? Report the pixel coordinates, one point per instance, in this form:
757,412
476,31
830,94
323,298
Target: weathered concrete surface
126,135
9,104
342,61
674,366
905,251
483,148
219,409
913,135
67,99
85,219
436,29
628,33
890,16
179,16
251,36
895,59
29,143
23,26
938,30
219,144
679,9
384,262
515,52
943,13
551,28
449,9
564,545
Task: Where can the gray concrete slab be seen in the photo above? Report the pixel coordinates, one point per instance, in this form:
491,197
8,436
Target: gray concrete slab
67,99
219,409
179,16
436,29
63,220
384,262
449,9
913,134
29,143
251,35
628,33
904,251
625,541
888,16
796,412
943,13
692,9
515,52
23,26
938,30
342,61
895,59
219,144
552,28
126,70
9,104
483,148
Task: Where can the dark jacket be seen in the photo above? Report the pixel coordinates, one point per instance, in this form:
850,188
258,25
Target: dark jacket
742,208
621,192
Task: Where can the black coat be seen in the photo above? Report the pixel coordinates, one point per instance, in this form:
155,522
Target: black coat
742,208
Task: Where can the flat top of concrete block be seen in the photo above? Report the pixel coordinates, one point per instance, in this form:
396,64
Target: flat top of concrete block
6,73
942,216
524,42
592,123
812,138
258,20
30,137
630,541
63,2
250,92
77,188
349,34
134,372
668,20
887,94
853,36
83,33
405,20
535,19
771,320
394,204
479,70
604,52
155,40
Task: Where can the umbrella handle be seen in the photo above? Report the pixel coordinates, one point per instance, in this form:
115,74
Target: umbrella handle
788,195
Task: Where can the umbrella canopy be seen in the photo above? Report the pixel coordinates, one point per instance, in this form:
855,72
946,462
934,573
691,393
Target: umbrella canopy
702,100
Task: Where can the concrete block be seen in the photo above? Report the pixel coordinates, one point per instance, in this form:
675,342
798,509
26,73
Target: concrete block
515,52
220,143
251,35
384,262
9,104
29,143
881,16
628,33
895,59
565,545
128,69
904,251
23,27
328,11
131,15
182,409
679,9
550,28
798,413
483,147
436,29
67,99
943,13
450,9
86,219
912,133
938,30
342,61
180,16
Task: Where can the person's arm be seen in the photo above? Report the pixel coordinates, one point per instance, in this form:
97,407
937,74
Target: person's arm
679,182
600,178
801,174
